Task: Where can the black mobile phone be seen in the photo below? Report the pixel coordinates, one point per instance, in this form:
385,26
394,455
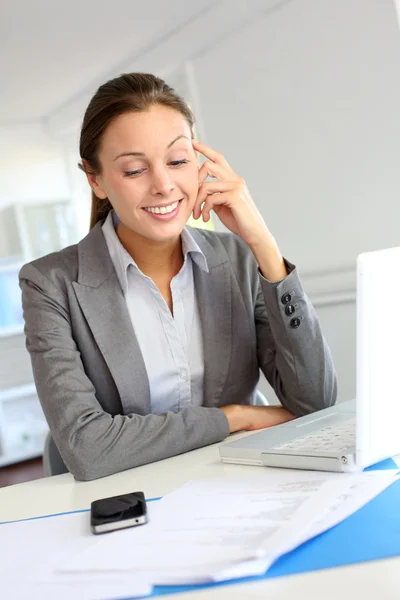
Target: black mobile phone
118,512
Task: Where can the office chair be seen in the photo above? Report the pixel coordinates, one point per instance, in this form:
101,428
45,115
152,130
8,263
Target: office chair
53,464
261,399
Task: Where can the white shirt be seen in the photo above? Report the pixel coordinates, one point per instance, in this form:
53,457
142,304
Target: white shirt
172,346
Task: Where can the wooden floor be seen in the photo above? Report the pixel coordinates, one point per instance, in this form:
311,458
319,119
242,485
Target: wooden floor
25,471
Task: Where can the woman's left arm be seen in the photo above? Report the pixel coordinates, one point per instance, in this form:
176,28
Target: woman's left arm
298,364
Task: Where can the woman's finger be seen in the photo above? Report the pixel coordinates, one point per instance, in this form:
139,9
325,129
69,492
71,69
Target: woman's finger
210,153
209,188
212,202
211,169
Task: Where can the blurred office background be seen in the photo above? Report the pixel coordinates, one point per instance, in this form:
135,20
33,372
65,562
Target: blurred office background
301,96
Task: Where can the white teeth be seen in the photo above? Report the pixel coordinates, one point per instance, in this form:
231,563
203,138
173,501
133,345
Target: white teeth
163,209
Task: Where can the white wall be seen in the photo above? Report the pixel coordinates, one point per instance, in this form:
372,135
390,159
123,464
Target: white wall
304,103
32,165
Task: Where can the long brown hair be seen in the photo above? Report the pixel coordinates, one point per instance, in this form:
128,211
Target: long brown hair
130,92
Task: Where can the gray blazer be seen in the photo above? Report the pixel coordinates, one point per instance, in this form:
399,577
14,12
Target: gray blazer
91,378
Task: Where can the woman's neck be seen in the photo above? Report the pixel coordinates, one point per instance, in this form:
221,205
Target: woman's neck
154,259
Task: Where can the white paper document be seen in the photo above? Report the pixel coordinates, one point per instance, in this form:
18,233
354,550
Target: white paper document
30,550
217,529
362,488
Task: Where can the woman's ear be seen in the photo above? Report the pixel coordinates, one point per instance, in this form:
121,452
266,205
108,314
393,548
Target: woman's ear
94,181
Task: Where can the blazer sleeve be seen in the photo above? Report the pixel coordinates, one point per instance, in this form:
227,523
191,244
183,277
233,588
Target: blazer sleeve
92,442
292,351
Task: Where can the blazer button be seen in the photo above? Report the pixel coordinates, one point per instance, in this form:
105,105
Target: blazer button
290,309
295,323
286,298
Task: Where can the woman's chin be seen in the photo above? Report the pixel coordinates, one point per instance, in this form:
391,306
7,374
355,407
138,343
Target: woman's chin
159,232
163,228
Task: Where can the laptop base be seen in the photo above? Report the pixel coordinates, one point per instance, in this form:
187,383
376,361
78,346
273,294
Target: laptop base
344,463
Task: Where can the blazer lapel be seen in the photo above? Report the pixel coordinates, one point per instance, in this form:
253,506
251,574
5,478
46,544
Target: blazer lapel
213,290
102,301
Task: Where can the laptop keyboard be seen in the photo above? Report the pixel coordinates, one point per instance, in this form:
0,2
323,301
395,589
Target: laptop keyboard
333,438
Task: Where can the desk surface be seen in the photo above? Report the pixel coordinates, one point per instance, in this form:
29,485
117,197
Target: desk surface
62,493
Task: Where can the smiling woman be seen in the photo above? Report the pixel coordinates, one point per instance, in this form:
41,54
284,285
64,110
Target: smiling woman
147,337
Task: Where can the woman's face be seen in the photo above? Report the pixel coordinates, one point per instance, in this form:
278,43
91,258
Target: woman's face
149,172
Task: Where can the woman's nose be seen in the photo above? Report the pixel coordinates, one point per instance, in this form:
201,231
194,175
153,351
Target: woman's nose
162,182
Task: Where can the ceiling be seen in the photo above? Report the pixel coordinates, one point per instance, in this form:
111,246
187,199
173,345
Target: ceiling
51,51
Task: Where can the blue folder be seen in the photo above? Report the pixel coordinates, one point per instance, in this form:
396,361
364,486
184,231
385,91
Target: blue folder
371,533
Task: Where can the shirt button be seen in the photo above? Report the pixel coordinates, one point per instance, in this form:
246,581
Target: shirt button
286,298
295,323
184,375
290,309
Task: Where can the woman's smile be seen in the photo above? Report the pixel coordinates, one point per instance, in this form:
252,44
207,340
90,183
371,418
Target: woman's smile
164,212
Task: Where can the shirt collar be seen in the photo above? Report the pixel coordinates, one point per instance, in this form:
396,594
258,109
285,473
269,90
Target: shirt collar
122,259
190,246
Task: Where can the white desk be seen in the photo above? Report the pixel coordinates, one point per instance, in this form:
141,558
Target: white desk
366,581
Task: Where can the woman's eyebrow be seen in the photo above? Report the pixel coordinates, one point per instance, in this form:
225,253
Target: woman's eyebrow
143,154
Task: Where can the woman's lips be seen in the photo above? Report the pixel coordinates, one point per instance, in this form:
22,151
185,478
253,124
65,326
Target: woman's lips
166,216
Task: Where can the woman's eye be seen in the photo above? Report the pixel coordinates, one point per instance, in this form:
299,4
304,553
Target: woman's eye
132,173
174,163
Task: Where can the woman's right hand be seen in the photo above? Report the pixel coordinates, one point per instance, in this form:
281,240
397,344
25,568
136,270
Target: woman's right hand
250,418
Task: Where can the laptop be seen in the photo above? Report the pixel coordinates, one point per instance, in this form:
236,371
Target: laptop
354,434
